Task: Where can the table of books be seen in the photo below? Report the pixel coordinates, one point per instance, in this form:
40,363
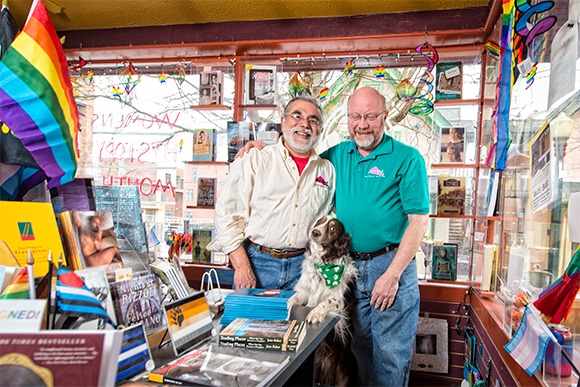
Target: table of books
300,367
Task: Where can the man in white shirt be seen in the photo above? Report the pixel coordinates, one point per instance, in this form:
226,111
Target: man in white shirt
271,199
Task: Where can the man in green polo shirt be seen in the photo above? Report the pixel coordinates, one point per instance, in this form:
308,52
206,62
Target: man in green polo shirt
382,198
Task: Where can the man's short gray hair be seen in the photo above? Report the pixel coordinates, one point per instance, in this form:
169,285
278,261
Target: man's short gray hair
305,98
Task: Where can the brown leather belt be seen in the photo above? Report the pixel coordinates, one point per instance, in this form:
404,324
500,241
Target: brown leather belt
278,253
367,256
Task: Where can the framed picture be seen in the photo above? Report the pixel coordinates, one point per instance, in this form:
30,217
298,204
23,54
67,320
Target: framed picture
449,79
444,265
430,351
260,85
452,144
210,88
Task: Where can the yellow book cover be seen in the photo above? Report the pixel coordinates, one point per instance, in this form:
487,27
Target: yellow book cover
31,226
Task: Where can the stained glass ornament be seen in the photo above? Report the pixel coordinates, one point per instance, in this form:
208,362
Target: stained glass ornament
406,90
296,85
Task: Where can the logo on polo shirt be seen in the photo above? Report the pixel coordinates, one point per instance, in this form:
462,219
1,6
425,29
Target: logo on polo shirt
376,172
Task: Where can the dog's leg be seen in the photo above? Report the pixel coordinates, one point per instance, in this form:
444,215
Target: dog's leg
319,313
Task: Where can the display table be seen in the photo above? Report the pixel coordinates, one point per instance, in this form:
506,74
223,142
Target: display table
300,369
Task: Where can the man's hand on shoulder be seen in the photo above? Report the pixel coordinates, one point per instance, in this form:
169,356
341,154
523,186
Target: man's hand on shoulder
259,145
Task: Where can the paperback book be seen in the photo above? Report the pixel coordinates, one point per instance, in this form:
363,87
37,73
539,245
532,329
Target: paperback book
451,195
274,335
31,226
210,88
259,304
89,240
211,365
136,301
444,262
204,143
239,133
260,85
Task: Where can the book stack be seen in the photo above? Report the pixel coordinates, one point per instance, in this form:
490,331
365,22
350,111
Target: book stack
258,304
271,335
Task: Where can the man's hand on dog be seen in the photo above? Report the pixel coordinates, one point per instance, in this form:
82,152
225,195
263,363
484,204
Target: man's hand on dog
384,292
249,145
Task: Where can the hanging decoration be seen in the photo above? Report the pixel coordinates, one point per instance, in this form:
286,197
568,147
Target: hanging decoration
493,49
162,77
406,90
90,76
131,78
530,76
422,102
322,94
380,72
179,74
180,145
116,91
349,67
296,85
82,63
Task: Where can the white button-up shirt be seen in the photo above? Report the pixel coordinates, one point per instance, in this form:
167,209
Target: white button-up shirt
265,200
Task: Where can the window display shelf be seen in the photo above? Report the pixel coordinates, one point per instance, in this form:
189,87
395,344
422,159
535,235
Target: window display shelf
453,165
458,102
211,107
259,107
433,216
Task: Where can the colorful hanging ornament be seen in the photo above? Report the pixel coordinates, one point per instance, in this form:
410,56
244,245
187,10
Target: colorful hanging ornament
406,90
349,67
90,76
380,72
322,94
296,85
179,74
493,49
162,77
82,63
422,102
530,76
180,145
131,77
116,91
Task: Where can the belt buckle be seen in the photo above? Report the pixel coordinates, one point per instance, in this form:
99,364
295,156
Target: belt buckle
364,256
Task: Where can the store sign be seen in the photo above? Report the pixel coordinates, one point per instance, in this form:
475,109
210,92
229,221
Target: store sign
17,315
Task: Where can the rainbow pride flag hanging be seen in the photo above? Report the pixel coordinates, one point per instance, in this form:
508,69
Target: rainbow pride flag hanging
18,287
36,97
502,136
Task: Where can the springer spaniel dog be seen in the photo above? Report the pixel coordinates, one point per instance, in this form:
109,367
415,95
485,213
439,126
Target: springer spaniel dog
327,273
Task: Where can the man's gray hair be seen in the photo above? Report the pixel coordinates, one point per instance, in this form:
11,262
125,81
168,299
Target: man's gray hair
305,98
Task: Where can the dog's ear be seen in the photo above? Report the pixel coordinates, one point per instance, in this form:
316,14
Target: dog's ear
342,244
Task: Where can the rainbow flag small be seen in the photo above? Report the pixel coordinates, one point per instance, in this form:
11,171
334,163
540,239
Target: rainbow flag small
36,97
18,287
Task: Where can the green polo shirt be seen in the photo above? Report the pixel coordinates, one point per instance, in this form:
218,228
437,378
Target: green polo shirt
374,194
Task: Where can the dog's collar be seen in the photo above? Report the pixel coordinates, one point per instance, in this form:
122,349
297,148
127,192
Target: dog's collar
331,273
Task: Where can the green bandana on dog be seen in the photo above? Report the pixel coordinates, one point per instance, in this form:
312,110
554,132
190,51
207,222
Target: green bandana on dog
331,273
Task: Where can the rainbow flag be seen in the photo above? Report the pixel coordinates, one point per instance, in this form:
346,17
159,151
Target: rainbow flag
36,97
18,287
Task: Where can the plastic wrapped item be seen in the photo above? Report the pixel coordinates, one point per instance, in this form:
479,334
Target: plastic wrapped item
517,295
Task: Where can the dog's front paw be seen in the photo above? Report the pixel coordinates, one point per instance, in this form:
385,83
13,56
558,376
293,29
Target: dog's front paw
316,315
294,300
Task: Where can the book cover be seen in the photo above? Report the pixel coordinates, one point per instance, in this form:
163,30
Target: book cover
77,195
451,195
260,85
206,192
210,86
211,365
449,77
60,358
125,204
204,145
90,240
200,240
137,301
260,304
444,262
27,225
239,133
277,335
452,145
96,280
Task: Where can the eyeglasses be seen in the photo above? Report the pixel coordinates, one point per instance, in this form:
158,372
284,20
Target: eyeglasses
355,117
313,121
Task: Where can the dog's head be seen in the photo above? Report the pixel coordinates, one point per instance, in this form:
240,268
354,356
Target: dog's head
329,233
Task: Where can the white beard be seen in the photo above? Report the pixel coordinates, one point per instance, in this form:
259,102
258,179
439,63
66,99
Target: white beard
301,145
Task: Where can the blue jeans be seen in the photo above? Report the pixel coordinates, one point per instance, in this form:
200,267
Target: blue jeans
383,341
274,273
